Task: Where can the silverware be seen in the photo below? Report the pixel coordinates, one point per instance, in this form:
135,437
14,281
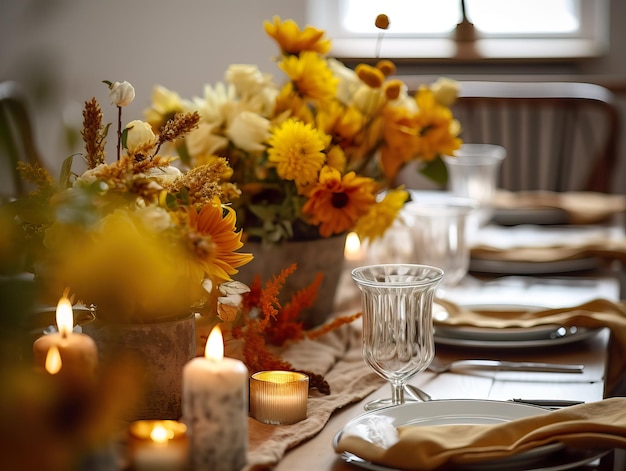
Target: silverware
550,403
417,393
506,365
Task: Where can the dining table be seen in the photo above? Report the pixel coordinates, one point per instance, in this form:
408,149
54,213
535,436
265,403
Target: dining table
314,448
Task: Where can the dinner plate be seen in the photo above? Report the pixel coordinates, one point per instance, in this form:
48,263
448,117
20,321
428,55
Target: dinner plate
540,216
550,457
513,337
505,267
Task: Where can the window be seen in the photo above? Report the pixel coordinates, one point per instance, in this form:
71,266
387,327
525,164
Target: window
505,28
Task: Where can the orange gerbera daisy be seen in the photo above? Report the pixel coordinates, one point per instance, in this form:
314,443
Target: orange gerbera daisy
292,40
336,203
213,239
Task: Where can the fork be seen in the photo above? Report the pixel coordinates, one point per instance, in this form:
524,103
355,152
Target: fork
437,367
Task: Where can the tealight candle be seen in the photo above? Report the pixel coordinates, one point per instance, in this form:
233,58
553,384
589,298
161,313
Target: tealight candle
353,252
77,353
158,445
279,397
215,408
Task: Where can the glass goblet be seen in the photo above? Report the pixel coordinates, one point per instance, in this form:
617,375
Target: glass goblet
397,302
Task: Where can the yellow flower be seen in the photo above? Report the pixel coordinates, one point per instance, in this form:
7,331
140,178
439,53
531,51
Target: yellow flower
213,240
438,127
381,215
336,203
297,150
292,40
165,104
370,75
311,75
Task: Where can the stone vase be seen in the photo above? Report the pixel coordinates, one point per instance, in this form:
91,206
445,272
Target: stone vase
325,255
161,350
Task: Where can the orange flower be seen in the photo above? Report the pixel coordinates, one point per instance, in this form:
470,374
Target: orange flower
213,239
292,40
336,203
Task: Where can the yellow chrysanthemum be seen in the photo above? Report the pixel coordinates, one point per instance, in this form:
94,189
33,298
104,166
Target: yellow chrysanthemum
311,75
291,103
381,215
336,203
297,150
292,40
213,239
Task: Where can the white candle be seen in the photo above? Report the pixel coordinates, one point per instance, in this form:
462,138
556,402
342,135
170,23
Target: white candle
279,397
78,354
215,408
158,445
353,251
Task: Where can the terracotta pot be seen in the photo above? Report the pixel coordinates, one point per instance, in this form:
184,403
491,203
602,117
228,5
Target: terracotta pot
161,349
321,255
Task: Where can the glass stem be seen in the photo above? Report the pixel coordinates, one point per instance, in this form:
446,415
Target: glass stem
397,393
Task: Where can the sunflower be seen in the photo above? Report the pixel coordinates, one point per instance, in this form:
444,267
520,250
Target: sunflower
213,240
297,150
381,215
336,203
292,40
311,75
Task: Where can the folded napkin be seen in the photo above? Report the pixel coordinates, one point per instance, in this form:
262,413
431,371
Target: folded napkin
600,425
548,244
584,207
593,314
338,356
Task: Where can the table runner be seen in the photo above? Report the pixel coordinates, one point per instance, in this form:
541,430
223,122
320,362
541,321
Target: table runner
337,355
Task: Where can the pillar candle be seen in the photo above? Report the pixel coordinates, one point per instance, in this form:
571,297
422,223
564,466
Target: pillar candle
215,408
78,352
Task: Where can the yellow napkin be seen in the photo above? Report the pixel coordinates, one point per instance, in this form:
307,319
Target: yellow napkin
599,424
583,207
593,314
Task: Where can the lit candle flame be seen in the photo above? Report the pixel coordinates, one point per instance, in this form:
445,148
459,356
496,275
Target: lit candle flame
214,349
353,247
65,316
159,434
53,360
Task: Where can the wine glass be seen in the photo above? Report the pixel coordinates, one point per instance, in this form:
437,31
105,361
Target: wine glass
397,302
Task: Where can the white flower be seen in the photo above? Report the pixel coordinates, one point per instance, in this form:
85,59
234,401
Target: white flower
140,136
202,140
349,82
249,131
164,175
154,218
121,94
89,176
445,90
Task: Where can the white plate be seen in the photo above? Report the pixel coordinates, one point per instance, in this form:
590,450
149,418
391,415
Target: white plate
474,411
512,337
505,267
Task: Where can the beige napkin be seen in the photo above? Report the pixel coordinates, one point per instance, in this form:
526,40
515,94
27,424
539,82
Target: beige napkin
599,424
594,314
584,207
338,356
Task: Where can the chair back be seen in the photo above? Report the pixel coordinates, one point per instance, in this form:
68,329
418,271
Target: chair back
559,136
17,141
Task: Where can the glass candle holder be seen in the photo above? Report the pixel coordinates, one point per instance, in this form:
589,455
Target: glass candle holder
279,397
160,445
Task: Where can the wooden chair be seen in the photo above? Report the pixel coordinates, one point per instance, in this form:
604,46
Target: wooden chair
559,136
17,141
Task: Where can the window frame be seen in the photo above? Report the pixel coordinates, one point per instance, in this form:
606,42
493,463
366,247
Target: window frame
590,42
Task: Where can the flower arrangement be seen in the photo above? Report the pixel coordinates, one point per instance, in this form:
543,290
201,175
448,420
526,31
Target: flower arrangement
311,156
136,237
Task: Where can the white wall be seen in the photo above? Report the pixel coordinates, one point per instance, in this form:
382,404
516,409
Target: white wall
63,49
